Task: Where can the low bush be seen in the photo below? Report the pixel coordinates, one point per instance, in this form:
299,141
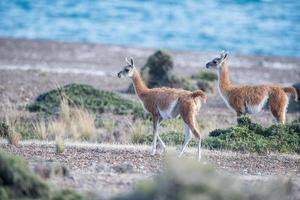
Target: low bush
252,137
206,76
4,130
17,181
97,101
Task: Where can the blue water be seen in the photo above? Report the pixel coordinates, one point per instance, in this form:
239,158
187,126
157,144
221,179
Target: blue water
240,26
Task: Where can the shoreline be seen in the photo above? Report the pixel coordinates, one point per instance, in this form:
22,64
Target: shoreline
124,46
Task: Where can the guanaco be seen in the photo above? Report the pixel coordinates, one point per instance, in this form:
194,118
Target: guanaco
251,99
167,103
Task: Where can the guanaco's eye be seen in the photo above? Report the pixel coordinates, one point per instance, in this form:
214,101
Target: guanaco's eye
126,70
215,62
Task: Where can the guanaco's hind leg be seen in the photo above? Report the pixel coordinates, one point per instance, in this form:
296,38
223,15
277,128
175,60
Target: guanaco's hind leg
187,137
278,105
156,120
190,120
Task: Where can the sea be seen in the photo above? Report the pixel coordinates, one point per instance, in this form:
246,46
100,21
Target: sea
246,27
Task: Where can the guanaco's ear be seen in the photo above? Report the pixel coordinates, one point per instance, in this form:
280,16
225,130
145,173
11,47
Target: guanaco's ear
131,62
224,55
127,61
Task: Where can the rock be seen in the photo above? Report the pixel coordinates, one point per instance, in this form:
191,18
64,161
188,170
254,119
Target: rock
117,135
43,170
48,169
123,168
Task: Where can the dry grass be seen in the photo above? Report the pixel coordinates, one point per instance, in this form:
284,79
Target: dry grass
12,119
83,124
40,130
109,125
14,137
139,131
73,123
59,145
173,124
57,128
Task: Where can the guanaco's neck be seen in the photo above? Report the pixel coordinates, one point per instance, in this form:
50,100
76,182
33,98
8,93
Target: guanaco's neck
138,83
224,81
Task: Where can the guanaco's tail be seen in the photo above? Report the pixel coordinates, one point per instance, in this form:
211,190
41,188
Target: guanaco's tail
292,91
201,94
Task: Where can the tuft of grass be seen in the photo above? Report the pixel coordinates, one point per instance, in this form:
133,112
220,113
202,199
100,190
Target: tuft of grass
97,101
83,124
139,132
189,179
72,122
59,145
251,137
14,137
4,129
173,124
57,128
40,130
13,121
206,76
108,125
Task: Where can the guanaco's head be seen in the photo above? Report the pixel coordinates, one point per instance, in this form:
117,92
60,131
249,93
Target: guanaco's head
216,63
128,70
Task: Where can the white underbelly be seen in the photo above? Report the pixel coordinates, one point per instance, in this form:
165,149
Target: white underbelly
253,109
171,112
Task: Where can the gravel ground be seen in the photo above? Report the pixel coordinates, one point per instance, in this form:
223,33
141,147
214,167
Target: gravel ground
115,169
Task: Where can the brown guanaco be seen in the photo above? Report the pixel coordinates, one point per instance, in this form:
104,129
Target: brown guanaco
250,99
167,103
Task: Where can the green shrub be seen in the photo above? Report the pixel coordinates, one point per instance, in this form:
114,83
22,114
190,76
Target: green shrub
4,130
16,179
205,86
206,76
94,100
252,137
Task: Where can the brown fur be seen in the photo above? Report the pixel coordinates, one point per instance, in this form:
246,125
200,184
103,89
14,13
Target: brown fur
241,98
161,98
